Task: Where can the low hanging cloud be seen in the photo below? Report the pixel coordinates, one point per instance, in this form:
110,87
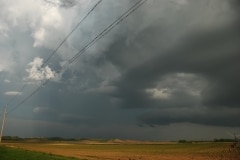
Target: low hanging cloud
7,81
43,110
12,93
38,72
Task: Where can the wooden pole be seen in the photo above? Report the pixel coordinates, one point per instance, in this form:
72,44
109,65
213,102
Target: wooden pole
3,122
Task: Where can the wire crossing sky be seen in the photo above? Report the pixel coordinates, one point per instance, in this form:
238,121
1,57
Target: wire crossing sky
79,23
54,52
15,96
82,51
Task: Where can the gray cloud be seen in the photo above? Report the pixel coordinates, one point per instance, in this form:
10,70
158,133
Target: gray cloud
169,64
38,72
218,65
12,93
62,3
209,54
224,117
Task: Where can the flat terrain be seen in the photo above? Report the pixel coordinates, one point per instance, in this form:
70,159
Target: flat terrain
129,150
8,153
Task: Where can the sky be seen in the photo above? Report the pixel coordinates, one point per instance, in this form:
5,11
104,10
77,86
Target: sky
168,71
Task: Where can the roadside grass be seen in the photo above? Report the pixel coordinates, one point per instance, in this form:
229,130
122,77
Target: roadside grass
8,153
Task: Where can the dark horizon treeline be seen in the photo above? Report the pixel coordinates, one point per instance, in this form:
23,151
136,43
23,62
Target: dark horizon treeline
16,138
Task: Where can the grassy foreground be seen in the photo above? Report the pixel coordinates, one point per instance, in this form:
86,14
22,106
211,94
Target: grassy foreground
7,153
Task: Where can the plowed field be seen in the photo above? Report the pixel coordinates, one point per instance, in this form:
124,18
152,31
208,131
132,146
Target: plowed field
135,151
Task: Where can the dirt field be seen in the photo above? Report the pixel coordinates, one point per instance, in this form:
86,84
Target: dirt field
135,151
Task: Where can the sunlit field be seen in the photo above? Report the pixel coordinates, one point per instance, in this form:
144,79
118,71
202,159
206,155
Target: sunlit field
122,150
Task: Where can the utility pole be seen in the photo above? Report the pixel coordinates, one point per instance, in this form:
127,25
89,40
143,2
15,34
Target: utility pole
3,122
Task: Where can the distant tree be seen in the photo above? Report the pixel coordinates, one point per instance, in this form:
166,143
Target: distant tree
11,138
223,140
56,138
182,141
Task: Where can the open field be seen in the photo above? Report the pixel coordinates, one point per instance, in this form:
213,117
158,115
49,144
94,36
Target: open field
130,150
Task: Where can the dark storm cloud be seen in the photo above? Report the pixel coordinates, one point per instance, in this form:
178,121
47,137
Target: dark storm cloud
211,57
164,70
210,54
223,117
171,63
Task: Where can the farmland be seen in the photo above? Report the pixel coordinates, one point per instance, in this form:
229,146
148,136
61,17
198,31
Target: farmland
8,153
131,150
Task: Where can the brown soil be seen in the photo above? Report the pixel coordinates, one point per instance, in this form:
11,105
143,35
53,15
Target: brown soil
128,152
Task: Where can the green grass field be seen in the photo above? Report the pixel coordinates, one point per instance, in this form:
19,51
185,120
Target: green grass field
7,153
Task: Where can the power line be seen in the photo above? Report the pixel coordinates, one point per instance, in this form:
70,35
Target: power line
28,97
103,33
55,51
64,40
108,29
91,43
